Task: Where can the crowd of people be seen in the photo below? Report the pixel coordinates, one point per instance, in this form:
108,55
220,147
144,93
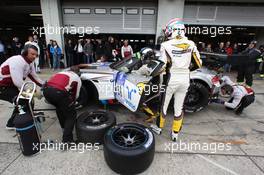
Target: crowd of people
85,50
234,49
88,50
91,50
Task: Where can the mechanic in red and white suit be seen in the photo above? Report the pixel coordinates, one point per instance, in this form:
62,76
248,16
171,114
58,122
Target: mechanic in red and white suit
177,53
240,96
13,72
62,91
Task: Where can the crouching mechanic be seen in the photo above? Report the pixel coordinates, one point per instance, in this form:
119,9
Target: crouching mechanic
13,72
62,90
177,53
240,96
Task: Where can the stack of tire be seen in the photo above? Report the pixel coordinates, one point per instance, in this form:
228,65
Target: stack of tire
128,147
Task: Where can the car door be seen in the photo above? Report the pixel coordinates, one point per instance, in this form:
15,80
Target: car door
129,86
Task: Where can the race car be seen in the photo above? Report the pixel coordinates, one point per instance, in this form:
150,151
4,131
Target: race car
108,81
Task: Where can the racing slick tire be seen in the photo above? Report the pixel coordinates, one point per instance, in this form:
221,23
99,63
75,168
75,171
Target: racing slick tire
129,148
91,126
196,98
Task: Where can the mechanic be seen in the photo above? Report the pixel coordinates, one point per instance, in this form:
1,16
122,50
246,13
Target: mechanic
13,72
34,42
62,90
240,96
178,53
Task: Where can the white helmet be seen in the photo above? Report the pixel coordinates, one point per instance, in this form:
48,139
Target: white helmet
175,29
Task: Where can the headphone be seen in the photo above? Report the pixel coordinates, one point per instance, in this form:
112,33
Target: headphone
26,48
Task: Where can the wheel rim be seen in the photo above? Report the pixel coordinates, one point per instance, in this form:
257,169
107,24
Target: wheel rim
129,137
94,119
193,97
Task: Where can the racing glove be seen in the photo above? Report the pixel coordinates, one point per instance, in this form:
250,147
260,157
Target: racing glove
218,101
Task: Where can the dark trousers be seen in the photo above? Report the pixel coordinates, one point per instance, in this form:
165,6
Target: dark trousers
9,94
65,110
51,60
80,58
262,69
70,60
246,71
245,102
2,58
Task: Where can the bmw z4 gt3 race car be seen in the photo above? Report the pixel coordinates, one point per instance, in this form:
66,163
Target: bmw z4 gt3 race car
107,81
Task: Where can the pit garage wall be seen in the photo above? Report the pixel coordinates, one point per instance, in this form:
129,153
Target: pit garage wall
244,16
112,23
224,15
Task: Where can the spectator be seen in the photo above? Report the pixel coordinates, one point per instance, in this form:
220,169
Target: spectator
16,46
69,49
50,57
41,51
2,52
208,48
109,47
220,49
228,48
39,61
100,50
202,47
88,51
235,48
79,52
56,52
229,51
247,65
262,59
126,50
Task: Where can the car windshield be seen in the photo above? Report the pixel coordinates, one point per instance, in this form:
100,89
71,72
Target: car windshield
128,63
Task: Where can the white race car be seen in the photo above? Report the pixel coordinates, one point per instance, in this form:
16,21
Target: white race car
108,81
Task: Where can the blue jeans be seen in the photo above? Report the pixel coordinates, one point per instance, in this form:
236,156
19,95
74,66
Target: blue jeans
227,67
89,59
56,61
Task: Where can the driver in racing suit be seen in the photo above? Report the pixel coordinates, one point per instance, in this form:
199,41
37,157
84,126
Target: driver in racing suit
177,53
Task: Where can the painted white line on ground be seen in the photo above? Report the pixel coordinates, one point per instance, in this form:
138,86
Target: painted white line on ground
217,165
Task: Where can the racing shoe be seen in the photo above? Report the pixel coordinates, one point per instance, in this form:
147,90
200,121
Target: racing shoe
10,126
174,136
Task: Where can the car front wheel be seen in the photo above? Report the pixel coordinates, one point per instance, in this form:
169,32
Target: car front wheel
196,98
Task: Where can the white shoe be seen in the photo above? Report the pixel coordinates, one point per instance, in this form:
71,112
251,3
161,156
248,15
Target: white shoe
174,136
155,129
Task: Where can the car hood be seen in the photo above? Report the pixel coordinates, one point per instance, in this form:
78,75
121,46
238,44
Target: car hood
96,71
